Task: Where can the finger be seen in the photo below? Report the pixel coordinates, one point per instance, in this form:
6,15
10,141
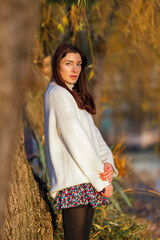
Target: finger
110,180
106,179
106,174
109,187
107,195
109,171
108,191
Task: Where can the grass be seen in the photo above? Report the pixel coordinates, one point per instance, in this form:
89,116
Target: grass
109,223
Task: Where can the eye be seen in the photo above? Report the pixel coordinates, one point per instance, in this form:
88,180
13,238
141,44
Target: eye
68,63
79,64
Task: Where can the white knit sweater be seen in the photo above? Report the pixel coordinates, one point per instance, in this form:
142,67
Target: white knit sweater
75,149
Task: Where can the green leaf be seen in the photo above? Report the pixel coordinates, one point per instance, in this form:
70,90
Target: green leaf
124,196
60,28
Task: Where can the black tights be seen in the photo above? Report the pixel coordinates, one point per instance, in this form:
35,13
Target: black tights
77,222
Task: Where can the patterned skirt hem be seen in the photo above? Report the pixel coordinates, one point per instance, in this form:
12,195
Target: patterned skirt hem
82,194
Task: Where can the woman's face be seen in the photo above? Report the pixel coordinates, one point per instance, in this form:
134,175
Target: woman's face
70,67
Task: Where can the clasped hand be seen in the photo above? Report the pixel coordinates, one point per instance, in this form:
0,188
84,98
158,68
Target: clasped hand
107,175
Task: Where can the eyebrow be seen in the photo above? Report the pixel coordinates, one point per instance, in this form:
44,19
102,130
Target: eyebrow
71,61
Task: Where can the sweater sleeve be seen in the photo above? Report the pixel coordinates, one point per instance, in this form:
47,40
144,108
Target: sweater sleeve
105,152
75,137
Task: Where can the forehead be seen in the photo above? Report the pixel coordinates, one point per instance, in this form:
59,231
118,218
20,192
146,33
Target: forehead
72,57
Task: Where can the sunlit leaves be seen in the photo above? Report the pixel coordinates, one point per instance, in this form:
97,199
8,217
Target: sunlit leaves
142,22
61,28
120,159
109,224
63,1
91,73
65,21
78,2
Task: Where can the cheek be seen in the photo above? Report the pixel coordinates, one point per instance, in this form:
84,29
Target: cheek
63,71
80,70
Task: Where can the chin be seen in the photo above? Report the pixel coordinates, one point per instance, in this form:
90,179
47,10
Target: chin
72,81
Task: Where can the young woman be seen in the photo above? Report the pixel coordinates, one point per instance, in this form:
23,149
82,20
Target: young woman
80,164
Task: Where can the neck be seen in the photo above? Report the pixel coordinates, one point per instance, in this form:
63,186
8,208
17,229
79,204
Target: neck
69,85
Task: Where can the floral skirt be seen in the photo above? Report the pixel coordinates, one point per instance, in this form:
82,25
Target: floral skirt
82,194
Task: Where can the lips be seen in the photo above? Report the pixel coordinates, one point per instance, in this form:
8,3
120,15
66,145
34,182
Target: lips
73,76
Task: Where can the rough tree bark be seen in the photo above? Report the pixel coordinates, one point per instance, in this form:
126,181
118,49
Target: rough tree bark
28,215
25,204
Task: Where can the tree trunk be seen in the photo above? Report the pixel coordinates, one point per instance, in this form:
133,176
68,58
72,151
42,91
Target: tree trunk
28,215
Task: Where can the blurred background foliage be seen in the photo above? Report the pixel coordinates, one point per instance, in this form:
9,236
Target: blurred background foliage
122,42
123,36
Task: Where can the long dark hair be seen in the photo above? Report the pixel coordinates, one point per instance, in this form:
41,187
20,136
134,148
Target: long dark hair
80,92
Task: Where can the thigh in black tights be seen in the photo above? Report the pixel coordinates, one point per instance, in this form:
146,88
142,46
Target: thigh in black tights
77,222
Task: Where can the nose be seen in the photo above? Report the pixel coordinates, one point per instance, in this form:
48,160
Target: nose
74,68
